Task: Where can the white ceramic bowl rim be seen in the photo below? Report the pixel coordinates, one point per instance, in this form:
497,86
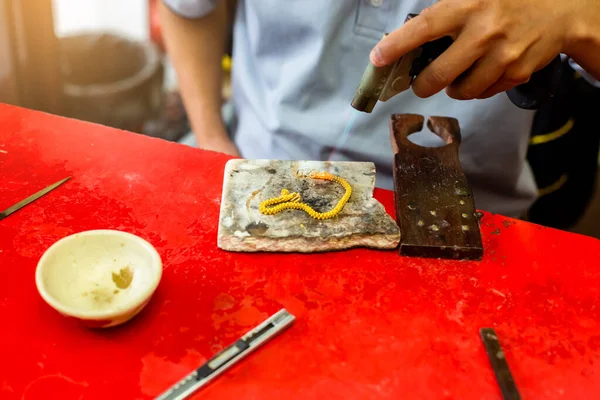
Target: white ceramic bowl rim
137,301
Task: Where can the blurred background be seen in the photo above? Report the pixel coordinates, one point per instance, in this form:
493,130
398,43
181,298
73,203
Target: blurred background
96,60
103,61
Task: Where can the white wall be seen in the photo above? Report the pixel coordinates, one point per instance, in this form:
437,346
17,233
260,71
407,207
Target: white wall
127,17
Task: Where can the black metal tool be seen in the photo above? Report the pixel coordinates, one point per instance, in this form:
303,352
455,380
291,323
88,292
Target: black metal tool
499,364
383,83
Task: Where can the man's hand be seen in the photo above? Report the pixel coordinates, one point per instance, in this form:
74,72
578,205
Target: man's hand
498,44
220,143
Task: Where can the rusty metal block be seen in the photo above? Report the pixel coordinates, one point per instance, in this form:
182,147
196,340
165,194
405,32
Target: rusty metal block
435,209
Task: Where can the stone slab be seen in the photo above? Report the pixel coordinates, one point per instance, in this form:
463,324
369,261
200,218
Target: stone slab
362,223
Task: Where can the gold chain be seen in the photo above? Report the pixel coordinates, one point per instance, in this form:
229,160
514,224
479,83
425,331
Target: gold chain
289,200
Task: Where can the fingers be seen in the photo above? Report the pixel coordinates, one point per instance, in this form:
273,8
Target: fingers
505,83
520,71
489,54
457,59
441,19
485,73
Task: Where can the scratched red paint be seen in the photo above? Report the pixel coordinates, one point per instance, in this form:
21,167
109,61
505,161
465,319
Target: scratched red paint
151,383
55,385
370,324
224,301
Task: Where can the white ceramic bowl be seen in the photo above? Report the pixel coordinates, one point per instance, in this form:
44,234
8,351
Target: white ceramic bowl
101,277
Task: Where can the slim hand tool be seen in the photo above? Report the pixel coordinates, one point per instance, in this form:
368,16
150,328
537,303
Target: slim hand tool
31,199
229,356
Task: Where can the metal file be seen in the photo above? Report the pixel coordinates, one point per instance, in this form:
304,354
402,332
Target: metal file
31,198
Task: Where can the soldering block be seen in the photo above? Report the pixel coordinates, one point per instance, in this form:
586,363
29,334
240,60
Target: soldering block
362,223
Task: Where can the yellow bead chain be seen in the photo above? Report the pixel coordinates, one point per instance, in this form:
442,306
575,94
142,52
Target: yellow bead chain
289,200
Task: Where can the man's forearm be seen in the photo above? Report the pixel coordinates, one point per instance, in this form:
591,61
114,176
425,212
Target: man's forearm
583,41
196,47
587,55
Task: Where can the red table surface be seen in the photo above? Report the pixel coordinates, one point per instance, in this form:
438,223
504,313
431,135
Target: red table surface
370,324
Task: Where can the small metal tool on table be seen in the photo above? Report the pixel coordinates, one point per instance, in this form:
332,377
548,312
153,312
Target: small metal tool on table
31,199
499,365
229,356
383,83
435,209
